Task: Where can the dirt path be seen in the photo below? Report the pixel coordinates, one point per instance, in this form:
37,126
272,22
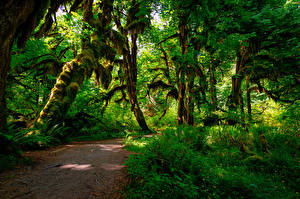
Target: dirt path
80,170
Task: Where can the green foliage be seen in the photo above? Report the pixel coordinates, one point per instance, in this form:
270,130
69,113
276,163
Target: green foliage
290,118
34,142
10,154
214,162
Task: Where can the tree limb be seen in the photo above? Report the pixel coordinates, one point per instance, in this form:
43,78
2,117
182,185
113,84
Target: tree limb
170,37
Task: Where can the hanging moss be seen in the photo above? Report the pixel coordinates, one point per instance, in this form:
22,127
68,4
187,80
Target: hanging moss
79,75
95,38
67,100
74,86
96,44
138,26
118,41
59,97
72,89
75,5
104,75
88,72
88,56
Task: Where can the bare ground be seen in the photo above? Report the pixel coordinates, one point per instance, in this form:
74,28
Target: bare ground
80,170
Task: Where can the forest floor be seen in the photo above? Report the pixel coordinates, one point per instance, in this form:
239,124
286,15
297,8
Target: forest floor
89,169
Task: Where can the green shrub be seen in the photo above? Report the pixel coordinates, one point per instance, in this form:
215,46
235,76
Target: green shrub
215,162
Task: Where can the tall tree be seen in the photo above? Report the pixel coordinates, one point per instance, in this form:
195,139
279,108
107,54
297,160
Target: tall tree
125,40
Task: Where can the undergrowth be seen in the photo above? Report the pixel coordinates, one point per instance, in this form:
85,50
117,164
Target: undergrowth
215,162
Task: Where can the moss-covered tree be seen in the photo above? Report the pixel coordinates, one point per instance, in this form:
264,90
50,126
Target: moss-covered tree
125,40
73,73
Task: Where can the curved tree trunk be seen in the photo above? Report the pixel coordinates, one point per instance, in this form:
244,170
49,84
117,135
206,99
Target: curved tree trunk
67,85
65,89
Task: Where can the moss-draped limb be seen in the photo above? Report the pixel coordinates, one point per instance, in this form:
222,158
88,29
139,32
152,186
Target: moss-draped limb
107,97
66,87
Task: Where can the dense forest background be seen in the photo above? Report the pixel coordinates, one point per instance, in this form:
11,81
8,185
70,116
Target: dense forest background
217,80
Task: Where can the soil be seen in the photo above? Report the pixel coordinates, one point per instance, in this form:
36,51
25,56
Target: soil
80,170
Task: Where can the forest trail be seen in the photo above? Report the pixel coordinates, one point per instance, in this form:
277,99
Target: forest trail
79,170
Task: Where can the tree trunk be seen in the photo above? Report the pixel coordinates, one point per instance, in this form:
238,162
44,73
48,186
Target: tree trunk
249,98
130,67
137,110
5,56
190,101
131,88
181,97
185,79
242,58
13,15
236,88
213,89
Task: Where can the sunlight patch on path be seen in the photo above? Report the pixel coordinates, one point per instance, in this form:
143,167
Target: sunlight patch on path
77,167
